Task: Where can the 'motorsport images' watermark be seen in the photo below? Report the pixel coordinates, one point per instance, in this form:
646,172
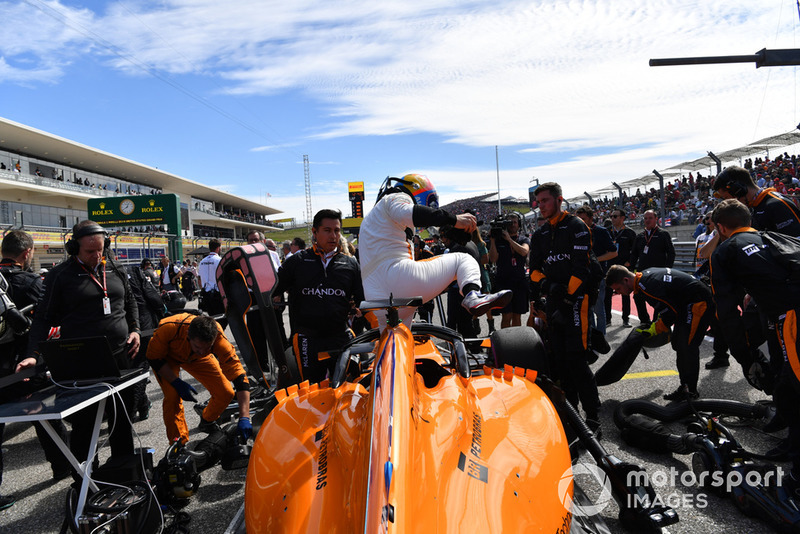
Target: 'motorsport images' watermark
670,479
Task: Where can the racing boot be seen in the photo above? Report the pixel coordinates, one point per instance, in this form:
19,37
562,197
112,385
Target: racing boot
718,362
776,424
207,427
682,393
478,303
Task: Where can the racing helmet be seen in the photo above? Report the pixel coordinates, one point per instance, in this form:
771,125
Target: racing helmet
418,186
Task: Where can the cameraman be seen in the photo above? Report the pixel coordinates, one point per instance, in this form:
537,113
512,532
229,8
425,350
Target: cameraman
508,250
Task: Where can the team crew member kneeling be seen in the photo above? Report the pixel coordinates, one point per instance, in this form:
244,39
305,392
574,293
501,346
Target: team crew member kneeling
323,284
387,258
197,345
678,299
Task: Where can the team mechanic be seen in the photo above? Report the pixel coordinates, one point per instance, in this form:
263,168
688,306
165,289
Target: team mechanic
197,344
388,260
770,209
324,285
747,260
561,265
678,299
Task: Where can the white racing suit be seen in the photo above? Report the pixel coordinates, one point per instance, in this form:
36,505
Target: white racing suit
387,259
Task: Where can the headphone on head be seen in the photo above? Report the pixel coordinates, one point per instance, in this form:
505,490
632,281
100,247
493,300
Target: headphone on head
736,189
732,185
73,247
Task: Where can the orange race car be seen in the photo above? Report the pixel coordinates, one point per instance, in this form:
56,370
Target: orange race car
415,433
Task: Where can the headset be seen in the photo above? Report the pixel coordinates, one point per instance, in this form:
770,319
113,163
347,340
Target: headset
736,189
733,184
73,247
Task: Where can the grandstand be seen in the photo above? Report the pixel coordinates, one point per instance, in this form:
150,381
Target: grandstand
48,182
776,144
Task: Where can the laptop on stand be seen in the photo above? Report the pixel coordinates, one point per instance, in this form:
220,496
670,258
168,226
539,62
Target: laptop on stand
83,362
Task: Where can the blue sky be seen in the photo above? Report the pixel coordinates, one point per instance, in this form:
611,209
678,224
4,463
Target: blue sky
233,94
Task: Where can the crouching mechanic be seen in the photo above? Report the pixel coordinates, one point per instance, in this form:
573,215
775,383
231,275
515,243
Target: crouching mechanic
678,299
387,260
196,344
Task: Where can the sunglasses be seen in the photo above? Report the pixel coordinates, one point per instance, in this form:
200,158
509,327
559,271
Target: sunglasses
616,216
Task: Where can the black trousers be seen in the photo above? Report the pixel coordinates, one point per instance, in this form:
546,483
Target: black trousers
121,434
568,331
687,335
458,318
312,354
626,304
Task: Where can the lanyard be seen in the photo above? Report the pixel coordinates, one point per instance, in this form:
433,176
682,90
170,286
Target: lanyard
96,281
647,239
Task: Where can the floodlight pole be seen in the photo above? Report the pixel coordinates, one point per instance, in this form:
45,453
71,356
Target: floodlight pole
717,161
619,190
662,208
497,165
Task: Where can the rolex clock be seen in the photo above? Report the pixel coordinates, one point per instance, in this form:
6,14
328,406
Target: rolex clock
126,206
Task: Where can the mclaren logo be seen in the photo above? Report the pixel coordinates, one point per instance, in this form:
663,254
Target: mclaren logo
323,292
553,258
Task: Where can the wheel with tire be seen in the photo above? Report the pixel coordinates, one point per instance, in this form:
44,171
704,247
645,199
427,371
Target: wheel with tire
519,346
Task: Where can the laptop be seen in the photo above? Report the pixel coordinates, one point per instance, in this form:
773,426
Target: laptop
83,361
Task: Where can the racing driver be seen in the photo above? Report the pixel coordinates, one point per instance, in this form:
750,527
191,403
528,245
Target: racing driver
387,259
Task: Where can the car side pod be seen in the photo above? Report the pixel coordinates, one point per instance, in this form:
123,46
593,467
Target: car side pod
640,511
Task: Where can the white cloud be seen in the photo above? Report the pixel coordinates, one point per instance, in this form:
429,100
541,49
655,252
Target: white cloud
553,78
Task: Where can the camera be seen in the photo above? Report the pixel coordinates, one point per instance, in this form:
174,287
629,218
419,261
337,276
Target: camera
498,224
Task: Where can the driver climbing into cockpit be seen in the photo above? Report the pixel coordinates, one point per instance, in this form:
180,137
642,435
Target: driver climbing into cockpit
387,259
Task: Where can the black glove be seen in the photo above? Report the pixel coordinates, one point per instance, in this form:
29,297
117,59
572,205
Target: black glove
557,292
184,389
758,373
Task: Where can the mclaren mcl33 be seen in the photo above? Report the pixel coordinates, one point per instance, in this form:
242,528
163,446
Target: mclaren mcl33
414,433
